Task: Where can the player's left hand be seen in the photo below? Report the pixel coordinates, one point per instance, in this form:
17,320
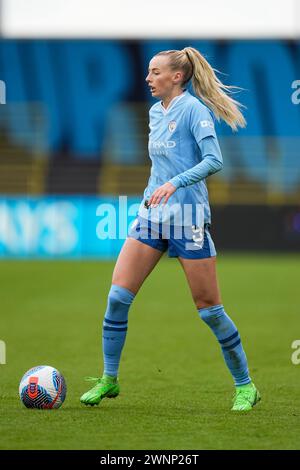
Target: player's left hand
163,192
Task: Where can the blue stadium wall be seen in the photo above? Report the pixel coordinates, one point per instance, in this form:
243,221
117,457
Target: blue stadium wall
80,81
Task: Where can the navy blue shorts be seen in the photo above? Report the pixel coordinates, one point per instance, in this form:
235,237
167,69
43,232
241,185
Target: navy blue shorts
187,242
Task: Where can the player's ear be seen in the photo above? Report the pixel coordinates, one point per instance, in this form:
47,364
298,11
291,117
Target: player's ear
177,77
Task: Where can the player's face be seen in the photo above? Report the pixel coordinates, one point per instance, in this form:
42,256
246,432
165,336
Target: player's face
161,78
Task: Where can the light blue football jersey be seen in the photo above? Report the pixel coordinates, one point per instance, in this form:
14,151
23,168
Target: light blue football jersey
181,137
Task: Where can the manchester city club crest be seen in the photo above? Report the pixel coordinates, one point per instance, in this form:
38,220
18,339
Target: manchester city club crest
172,126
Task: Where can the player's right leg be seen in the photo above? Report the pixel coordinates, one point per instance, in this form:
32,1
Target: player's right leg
135,262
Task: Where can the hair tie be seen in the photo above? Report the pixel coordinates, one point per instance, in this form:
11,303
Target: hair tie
192,65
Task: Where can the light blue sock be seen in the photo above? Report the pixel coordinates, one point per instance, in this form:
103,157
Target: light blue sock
228,336
115,327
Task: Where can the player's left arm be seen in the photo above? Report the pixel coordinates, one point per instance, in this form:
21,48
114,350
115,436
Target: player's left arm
203,130
212,162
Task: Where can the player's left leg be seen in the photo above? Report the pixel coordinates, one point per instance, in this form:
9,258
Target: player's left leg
202,279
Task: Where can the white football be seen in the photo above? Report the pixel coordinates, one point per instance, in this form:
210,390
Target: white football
42,387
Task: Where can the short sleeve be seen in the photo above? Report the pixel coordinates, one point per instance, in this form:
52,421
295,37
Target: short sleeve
202,122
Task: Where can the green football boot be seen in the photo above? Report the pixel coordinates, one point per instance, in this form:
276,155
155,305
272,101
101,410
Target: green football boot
106,387
246,396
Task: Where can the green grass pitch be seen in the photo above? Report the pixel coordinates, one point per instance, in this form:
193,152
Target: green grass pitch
175,390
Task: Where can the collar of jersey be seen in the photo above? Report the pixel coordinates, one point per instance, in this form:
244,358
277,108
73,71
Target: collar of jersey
172,102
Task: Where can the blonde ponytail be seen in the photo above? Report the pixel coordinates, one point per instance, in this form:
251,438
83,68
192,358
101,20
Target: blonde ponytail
213,92
207,85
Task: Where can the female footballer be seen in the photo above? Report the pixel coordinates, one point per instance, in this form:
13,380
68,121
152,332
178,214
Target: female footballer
175,213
